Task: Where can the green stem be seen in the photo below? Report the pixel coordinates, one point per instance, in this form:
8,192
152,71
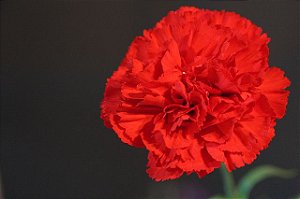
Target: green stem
228,182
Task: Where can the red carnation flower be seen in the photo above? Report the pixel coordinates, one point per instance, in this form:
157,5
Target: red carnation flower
196,91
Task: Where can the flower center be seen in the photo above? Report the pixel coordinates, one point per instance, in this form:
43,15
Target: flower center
180,116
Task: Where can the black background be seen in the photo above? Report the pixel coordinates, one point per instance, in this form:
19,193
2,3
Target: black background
55,58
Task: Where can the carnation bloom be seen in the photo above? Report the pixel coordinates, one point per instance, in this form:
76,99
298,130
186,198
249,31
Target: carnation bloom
196,91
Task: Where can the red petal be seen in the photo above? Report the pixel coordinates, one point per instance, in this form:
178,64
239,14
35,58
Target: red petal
160,172
273,88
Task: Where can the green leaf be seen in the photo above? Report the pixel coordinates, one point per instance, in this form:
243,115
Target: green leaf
296,197
224,197
259,174
217,197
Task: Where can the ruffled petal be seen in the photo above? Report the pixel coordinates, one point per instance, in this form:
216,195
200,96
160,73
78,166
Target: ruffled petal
159,172
273,85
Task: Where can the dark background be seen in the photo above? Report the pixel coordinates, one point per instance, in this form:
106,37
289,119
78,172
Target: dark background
55,58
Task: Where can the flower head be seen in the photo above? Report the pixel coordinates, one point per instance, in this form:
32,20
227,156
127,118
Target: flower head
196,91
